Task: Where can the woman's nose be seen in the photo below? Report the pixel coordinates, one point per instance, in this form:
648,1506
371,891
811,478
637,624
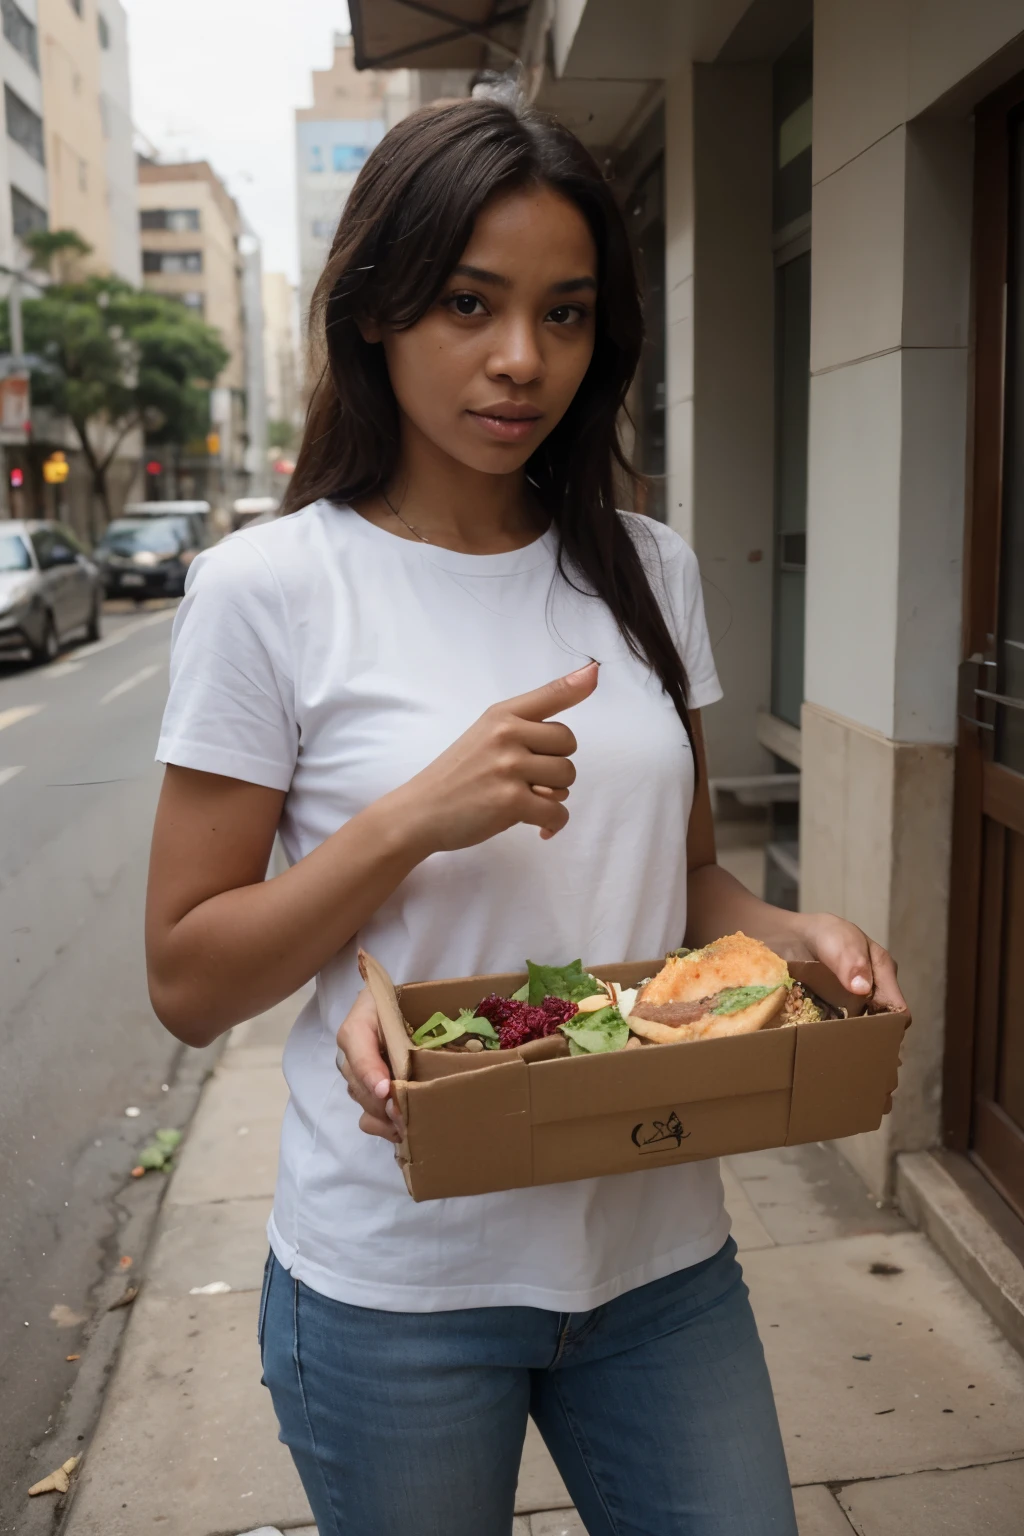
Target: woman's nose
517,355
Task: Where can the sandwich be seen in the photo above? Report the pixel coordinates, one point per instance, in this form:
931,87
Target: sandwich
731,987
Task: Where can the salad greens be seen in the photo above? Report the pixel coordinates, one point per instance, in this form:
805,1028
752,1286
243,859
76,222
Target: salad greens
440,1030
589,1033
570,982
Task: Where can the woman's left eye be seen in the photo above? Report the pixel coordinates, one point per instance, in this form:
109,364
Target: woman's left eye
566,314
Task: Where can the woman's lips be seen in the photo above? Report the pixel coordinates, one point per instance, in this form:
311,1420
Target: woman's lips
507,429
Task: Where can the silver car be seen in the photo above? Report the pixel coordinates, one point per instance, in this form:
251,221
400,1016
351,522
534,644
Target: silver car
49,589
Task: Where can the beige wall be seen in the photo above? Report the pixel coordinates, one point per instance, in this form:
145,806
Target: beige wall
281,347
76,150
196,186
889,391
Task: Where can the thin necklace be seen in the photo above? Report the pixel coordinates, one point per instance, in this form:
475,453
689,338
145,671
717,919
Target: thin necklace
415,531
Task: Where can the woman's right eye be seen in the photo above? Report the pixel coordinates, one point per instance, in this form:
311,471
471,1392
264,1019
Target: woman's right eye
465,304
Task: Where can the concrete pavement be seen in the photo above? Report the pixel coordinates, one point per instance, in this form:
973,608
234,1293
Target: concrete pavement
902,1405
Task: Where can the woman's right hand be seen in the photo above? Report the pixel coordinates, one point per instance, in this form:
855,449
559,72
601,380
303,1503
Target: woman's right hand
366,1072
511,766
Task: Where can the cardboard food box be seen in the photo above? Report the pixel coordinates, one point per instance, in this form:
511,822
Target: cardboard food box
490,1120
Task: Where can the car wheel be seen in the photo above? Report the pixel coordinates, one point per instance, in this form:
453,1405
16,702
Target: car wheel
48,648
94,628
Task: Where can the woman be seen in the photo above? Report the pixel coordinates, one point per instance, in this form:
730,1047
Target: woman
402,678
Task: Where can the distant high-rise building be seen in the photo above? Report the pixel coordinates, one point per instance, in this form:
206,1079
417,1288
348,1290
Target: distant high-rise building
281,352
87,139
350,114
191,237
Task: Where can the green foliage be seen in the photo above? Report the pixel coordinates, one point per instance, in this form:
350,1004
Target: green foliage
280,434
44,244
116,358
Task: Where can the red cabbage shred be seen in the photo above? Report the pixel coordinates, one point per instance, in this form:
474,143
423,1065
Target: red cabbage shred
517,1023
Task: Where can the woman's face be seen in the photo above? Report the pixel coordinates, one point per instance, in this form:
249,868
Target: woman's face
493,366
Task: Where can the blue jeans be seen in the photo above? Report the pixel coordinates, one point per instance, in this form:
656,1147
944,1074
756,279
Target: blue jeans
656,1407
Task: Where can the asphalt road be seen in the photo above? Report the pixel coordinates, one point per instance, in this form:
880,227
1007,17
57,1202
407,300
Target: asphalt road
78,1041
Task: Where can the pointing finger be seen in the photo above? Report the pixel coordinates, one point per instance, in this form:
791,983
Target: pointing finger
563,693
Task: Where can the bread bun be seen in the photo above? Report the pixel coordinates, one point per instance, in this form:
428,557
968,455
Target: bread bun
678,1004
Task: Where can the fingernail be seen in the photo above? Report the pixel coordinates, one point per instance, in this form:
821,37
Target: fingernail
577,676
860,984
381,1089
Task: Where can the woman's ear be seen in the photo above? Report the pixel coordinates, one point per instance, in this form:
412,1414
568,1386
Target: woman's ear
369,330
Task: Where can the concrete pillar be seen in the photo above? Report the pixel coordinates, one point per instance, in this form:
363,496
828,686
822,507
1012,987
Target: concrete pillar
888,424
720,376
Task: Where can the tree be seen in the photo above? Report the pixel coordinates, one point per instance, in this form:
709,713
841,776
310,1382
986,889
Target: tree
280,434
55,248
114,359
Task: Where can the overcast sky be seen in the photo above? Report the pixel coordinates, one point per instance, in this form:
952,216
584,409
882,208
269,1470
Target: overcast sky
219,80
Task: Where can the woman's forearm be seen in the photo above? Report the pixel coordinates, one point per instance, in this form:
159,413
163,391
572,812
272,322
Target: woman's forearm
718,903
244,950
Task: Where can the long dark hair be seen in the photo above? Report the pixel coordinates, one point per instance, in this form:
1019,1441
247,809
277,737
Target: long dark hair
405,225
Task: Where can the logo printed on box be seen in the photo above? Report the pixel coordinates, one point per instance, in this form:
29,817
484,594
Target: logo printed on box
664,1130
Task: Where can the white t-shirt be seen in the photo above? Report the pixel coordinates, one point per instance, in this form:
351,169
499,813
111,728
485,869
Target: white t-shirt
324,656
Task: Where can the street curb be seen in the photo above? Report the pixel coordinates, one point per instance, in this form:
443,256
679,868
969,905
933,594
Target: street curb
137,1206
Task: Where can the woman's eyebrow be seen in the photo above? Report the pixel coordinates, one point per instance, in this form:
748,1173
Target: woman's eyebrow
481,275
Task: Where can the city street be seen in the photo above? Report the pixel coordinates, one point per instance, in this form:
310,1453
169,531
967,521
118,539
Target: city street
78,1041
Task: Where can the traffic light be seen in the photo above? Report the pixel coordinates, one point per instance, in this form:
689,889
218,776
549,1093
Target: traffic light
56,468
213,443
17,478
154,467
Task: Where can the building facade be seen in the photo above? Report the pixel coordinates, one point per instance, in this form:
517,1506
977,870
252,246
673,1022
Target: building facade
332,139
825,197
281,352
68,163
26,196
190,235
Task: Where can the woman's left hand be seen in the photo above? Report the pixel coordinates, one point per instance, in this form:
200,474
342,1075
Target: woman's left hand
861,965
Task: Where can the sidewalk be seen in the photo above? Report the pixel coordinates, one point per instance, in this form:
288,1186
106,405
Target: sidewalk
902,1406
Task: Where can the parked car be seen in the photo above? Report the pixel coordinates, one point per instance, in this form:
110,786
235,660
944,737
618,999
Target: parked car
197,513
248,511
49,589
147,556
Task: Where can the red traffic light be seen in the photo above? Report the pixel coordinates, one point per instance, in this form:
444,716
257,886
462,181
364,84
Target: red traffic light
17,478
154,467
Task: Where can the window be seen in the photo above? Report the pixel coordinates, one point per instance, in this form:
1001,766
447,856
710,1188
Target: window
316,158
172,262
196,302
180,221
26,215
348,157
83,175
24,126
323,229
20,32
103,28
76,6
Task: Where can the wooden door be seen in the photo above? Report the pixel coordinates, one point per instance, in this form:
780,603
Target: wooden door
984,1087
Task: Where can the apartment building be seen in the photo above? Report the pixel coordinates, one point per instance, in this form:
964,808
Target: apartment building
68,163
191,236
26,200
826,203
281,349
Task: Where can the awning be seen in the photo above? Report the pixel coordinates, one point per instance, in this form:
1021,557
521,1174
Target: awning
435,34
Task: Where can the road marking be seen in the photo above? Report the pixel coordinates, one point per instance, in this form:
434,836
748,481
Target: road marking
20,712
83,652
129,682
7,774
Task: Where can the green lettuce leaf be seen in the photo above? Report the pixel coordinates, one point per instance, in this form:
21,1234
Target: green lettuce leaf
589,1033
566,981
735,999
440,1030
